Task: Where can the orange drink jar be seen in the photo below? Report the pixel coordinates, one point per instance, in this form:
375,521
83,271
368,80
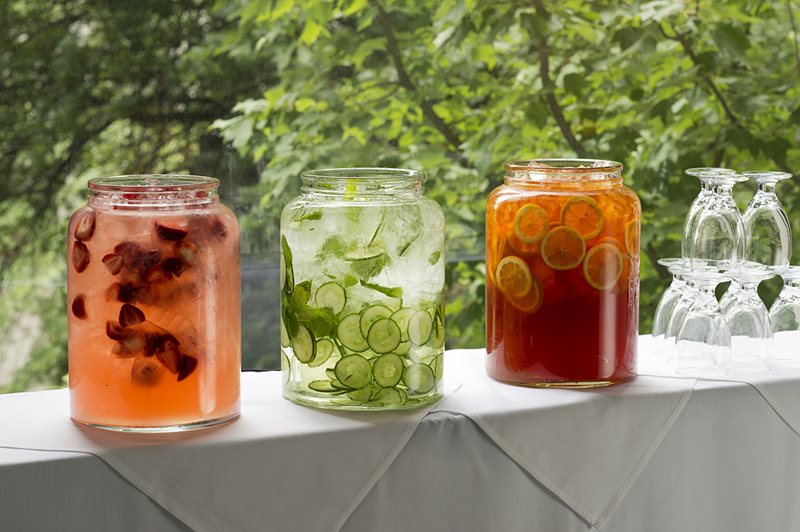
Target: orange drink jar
562,274
153,305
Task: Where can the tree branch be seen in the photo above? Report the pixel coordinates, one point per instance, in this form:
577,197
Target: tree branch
794,34
549,95
405,81
687,48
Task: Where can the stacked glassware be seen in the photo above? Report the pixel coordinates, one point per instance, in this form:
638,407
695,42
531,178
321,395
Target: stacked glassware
702,336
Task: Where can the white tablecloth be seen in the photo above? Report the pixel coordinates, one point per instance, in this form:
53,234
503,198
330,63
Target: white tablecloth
649,455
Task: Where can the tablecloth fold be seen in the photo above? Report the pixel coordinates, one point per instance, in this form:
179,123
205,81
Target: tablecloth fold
226,478
586,446
777,386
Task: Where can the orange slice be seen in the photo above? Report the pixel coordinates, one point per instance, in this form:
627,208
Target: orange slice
632,238
531,223
513,277
532,300
584,215
563,248
602,267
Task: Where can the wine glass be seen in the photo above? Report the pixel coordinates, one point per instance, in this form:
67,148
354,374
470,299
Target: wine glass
768,233
703,341
784,317
669,300
714,230
748,319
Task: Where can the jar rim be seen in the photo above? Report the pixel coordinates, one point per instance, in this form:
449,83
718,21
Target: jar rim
144,183
564,166
363,172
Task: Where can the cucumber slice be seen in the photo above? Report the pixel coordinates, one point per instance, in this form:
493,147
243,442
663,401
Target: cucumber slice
361,255
286,367
437,336
330,374
324,352
285,341
304,345
401,318
339,386
388,370
332,296
353,371
283,272
322,386
383,336
388,397
420,326
349,333
370,315
419,379
362,395
403,395
437,365
402,348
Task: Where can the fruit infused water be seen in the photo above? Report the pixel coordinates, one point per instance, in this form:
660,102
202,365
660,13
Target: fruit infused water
153,301
362,291
562,274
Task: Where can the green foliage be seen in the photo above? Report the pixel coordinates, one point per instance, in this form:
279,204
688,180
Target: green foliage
451,87
458,87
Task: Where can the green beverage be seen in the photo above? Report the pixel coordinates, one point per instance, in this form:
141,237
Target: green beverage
362,291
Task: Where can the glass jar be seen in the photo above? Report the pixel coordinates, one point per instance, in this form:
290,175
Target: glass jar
562,283
153,301
362,291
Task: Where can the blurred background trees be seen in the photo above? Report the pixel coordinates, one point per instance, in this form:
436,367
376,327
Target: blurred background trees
253,92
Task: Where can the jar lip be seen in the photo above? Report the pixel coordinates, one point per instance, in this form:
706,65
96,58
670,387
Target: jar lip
145,183
365,172
565,166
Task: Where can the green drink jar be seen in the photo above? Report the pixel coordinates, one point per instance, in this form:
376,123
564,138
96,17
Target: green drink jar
362,291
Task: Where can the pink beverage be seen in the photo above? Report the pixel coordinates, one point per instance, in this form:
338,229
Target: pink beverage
153,295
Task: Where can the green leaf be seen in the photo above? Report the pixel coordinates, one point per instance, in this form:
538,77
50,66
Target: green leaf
731,41
434,258
287,251
395,292
311,31
312,215
301,294
319,321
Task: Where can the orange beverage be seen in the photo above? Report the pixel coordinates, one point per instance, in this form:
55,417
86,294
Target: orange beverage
562,274
153,302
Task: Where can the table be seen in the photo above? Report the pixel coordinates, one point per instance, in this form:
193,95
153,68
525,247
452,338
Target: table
721,459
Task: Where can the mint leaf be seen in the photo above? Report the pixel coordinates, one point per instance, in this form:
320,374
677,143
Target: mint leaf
389,291
320,321
434,258
313,215
301,294
370,267
287,251
349,280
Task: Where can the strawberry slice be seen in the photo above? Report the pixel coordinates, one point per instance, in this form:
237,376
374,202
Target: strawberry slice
168,353
174,266
115,331
186,252
84,227
113,262
79,307
186,367
157,274
146,371
80,256
173,234
130,315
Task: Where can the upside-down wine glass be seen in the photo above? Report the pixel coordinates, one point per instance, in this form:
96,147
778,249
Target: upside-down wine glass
748,319
703,341
767,231
669,300
784,317
714,230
